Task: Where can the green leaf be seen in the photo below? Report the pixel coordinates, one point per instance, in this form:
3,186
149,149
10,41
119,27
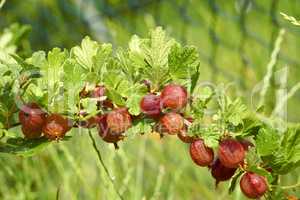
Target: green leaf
287,158
25,147
251,125
74,81
134,97
129,65
235,112
210,134
194,79
267,141
183,62
102,61
234,181
291,143
37,59
115,97
89,105
85,53
252,157
140,127
154,52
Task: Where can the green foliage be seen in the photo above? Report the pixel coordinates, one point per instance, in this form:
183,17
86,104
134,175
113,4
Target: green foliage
56,79
267,141
286,158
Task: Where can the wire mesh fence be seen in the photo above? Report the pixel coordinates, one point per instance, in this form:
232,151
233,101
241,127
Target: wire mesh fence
218,27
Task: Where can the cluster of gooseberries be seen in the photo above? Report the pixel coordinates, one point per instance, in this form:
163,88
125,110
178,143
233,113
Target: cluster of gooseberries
165,109
231,155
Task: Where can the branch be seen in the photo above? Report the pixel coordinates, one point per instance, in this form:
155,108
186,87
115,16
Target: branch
103,164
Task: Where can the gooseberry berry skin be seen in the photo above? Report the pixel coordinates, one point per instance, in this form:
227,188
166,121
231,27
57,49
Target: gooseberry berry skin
220,172
174,97
231,153
105,133
118,120
31,134
172,123
32,119
253,185
99,91
150,105
56,127
201,154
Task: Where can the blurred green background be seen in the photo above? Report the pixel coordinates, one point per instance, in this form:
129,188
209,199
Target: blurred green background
235,39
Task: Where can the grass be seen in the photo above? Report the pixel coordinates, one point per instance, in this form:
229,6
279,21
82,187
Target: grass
144,168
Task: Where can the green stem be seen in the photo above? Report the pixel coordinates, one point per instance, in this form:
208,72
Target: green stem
103,164
290,186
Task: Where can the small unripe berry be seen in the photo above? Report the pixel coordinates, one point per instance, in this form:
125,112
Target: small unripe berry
231,153
174,97
56,127
201,154
32,119
253,185
220,172
118,120
172,123
99,91
150,105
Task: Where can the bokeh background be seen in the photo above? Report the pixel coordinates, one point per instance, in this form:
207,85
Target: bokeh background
235,39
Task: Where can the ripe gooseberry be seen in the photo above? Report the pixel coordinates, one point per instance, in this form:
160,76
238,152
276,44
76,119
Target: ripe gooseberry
32,119
201,154
174,97
231,153
220,172
118,120
106,134
56,127
150,105
253,185
172,123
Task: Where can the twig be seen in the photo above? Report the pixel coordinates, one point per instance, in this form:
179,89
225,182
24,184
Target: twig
103,164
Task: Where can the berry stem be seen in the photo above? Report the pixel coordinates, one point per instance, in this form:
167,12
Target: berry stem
103,164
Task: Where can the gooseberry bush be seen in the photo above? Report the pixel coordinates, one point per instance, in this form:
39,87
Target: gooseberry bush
152,85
